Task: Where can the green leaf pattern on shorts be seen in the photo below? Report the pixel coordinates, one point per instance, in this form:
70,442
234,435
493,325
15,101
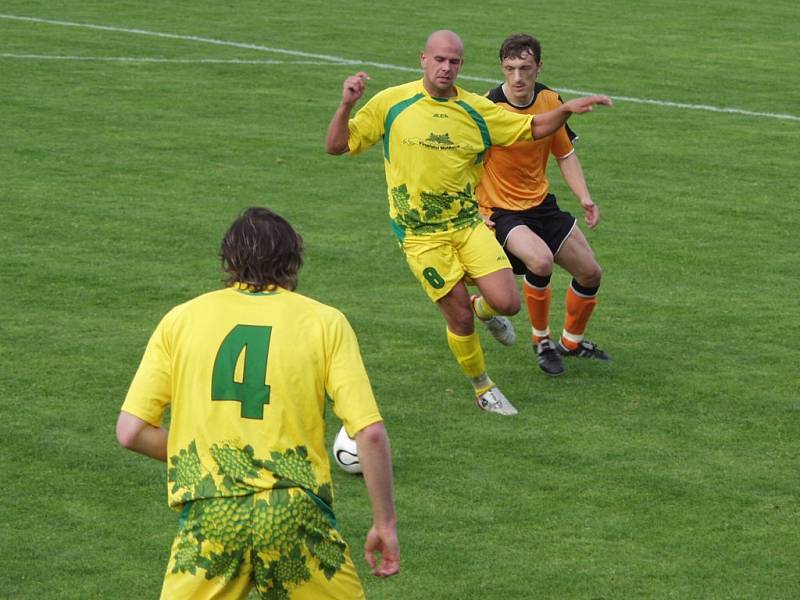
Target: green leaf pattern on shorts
286,534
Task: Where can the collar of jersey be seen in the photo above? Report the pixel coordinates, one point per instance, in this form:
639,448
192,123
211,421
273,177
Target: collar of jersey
519,106
422,89
246,288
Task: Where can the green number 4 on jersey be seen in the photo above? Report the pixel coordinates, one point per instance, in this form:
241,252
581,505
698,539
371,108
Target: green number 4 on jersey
250,388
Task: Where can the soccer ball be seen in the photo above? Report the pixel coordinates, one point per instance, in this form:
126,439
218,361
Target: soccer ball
345,452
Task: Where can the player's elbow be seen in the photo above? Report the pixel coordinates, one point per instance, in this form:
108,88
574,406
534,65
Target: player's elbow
128,430
372,436
335,148
125,439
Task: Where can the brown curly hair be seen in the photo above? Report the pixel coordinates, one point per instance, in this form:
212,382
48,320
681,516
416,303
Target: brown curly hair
518,45
262,250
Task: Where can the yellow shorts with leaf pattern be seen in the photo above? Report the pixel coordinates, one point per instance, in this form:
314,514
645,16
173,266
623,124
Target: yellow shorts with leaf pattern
440,260
279,542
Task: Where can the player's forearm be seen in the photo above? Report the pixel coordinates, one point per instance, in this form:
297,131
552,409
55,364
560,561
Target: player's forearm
548,123
338,132
374,454
572,172
139,436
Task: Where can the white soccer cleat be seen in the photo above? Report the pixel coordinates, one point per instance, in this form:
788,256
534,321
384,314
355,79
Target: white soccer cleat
501,329
493,400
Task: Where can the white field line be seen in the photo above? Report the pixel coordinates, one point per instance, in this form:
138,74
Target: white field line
338,60
175,36
145,59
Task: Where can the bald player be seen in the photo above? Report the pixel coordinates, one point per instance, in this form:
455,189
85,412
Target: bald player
434,136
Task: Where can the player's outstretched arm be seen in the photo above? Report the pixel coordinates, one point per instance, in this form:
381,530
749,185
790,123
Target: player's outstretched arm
374,454
135,434
352,90
548,123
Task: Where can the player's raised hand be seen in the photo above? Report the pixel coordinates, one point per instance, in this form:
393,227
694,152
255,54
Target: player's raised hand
385,544
354,87
586,104
337,136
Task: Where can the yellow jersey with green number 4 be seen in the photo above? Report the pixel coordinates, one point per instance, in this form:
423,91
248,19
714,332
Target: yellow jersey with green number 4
245,375
433,151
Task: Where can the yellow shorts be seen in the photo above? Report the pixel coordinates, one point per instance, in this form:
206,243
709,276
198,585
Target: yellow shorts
440,260
278,541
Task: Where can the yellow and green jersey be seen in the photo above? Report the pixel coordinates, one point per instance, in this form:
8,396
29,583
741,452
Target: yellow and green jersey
245,376
433,150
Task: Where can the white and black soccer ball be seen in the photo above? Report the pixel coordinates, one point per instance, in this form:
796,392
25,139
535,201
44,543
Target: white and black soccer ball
345,452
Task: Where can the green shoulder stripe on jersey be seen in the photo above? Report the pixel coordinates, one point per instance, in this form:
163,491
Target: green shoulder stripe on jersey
391,115
484,129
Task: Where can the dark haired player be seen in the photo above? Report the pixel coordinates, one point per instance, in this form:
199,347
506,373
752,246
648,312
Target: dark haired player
535,232
244,371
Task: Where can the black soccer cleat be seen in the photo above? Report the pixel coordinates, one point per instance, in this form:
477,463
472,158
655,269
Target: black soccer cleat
585,349
548,357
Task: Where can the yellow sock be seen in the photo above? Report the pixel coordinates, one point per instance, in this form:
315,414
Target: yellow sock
482,309
469,356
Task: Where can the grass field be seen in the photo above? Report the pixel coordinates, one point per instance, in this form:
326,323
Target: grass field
132,134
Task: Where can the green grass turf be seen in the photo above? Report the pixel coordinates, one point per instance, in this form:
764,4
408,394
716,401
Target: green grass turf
671,472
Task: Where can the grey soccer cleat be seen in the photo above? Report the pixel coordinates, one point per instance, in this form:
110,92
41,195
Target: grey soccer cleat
501,329
493,400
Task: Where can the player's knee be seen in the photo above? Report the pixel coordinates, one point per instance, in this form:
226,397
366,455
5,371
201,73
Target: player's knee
541,265
507,305
461,322
591,276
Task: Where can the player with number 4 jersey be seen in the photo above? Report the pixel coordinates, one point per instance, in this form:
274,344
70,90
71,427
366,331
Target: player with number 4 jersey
245,371
248,354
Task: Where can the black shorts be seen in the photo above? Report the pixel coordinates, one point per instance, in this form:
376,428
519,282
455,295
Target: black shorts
547,221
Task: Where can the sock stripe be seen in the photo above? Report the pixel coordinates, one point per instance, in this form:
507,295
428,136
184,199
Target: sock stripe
584,292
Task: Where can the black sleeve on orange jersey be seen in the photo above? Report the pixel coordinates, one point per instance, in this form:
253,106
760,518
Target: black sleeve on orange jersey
538,87
572,135
496,95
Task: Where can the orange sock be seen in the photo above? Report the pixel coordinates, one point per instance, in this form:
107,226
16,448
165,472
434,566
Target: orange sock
538,302
579,309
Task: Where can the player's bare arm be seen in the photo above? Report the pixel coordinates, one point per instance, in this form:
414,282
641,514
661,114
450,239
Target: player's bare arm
375,457
352,90
572,172
135,434
548,123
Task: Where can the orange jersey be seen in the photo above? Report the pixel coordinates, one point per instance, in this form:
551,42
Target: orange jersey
515,176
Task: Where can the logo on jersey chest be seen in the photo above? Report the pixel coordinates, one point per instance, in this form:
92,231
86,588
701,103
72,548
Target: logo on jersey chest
434,141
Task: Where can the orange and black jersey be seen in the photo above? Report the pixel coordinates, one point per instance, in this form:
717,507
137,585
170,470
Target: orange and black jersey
515,177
